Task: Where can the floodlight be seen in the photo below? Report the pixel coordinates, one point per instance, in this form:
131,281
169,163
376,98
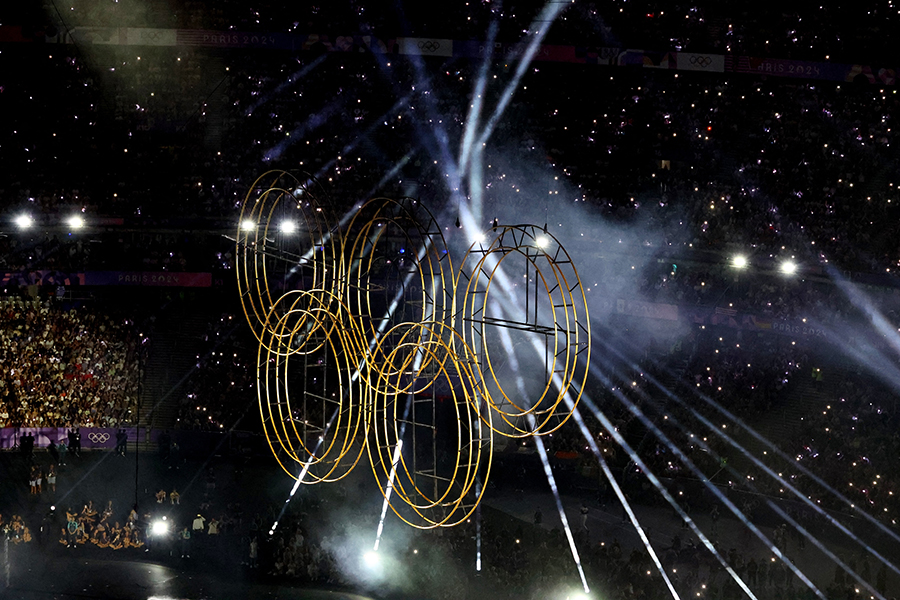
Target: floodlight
788,267
543,242
372,559
288,227
75,222
159,528
739,261
24,221
248,224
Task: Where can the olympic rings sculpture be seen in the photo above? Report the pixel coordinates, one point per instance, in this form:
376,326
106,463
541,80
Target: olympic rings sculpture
396,354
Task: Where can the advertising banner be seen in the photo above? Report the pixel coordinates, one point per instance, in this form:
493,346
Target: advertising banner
789,68
41,277
692,61
148,278
233,39
425,46
139,36
91,437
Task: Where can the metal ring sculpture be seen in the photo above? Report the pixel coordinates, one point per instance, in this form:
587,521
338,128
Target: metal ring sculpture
274,199
321,430
388,367
434,488
556,312
322,433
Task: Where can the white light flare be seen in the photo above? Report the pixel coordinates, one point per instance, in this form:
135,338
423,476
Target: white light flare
788,267
24,221
562,513
387,493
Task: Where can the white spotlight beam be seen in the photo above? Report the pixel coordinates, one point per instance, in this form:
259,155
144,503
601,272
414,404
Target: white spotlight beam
687,462
512,303
769,471
540,26
520,386
539,442
387,493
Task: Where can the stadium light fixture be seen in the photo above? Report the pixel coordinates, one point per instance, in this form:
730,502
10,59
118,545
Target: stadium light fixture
24,221
248,224
543,242
160,527
740,261
75,222
788,267
288,227
372,559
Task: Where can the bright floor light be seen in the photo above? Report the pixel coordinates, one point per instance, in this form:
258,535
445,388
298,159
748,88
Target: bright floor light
159,528
24,221
788,267
740,261
75,222
372,559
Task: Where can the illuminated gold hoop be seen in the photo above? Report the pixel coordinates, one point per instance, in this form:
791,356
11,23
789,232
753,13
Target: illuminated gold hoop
395,418
561,319
308,255
326,446
399,268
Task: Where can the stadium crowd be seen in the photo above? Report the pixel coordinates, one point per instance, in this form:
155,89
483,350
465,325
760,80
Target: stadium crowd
66,367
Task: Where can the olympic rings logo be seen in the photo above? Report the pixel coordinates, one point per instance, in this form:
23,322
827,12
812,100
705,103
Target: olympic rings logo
429,45
701,61
98,438
370,319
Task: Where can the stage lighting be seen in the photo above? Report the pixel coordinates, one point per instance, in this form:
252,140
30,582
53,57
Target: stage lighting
24,221
248,225
372,559
160,528
288,227
577,596
739,261
543,242
75,222
788,267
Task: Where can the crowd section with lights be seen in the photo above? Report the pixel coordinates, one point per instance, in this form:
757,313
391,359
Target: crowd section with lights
709,159
66,367
221,392
813,32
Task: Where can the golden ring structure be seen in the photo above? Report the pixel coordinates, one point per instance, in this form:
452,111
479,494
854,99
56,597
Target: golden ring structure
370,342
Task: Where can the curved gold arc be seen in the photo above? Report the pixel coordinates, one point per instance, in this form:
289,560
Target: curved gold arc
565,295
